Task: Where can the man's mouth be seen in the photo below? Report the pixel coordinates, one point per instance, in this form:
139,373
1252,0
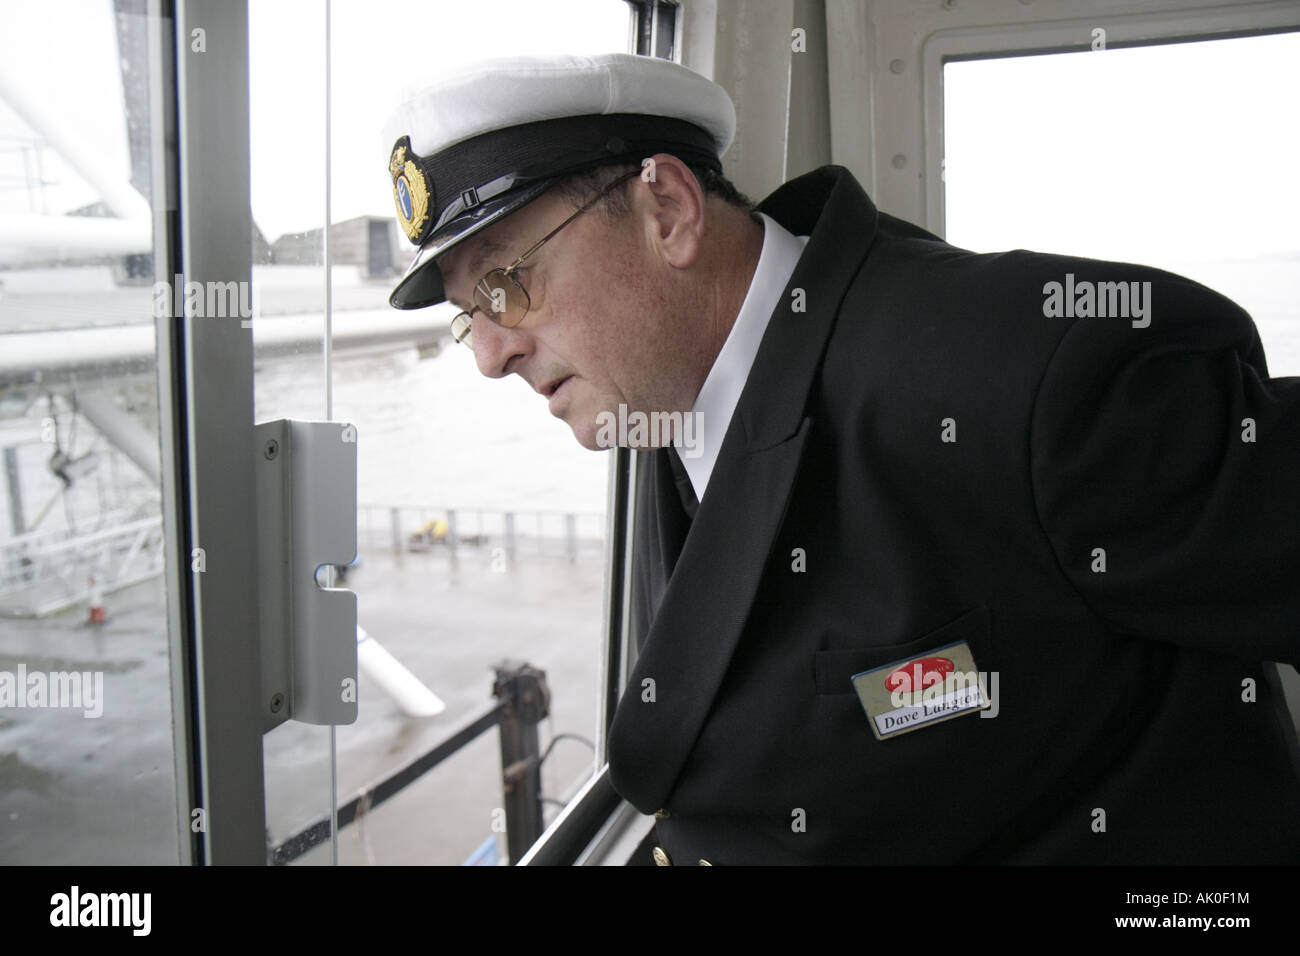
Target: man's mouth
554,392
554,386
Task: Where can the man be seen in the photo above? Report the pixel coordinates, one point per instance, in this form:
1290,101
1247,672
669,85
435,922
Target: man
975,559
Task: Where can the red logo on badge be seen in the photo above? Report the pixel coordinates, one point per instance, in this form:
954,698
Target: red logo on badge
921,673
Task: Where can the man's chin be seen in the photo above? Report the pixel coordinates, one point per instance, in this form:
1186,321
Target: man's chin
587,430
586,436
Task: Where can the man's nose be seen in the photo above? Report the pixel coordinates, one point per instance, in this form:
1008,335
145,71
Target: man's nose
495,346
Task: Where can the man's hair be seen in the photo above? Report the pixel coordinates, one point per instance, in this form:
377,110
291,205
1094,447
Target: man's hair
581,187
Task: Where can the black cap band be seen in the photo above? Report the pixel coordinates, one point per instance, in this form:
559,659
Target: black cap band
460,177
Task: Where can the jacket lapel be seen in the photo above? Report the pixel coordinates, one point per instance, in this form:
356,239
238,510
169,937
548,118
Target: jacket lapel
695,631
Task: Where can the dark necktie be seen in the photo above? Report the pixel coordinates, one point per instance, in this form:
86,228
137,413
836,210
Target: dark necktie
665,504
685,490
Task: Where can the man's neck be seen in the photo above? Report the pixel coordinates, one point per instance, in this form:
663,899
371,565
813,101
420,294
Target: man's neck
734,257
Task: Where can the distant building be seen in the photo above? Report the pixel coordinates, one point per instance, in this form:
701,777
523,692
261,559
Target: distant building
366,241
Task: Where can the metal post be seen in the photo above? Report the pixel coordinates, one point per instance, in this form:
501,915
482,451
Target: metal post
201,231
453,539
123,431
571,536
395,517
15,491
526,700
510,537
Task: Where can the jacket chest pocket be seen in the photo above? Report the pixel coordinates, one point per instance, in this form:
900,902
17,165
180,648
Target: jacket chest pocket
834,669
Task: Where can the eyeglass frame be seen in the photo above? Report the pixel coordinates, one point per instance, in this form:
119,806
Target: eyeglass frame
467,317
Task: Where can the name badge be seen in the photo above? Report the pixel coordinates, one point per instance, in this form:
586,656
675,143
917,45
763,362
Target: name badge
919,691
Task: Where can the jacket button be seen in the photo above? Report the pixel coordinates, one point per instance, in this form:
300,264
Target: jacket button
661,858
662,814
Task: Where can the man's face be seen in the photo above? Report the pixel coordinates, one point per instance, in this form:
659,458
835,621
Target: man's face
600,329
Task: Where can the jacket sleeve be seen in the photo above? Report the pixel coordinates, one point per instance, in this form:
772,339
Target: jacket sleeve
1164,465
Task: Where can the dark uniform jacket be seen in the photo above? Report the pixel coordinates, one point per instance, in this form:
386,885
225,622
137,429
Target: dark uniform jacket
1104,510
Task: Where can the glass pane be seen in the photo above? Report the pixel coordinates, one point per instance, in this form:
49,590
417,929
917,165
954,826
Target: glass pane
1178,156
480,535
86,712
290,375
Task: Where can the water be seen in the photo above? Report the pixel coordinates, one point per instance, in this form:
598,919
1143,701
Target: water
436,432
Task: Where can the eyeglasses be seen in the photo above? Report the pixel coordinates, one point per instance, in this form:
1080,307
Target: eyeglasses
500,295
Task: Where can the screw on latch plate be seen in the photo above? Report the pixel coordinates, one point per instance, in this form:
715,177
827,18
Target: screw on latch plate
277,703
272,449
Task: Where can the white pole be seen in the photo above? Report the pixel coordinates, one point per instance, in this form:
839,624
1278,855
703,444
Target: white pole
396,681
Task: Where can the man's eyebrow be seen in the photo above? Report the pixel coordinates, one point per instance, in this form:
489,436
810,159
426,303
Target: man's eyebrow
486,249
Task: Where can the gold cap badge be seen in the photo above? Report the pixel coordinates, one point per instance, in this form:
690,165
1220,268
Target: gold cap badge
410,192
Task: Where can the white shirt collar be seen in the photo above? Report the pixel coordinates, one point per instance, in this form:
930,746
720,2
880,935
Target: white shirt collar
719,395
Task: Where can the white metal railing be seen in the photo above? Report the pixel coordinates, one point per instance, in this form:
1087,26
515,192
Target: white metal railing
420,528
45,572
48,571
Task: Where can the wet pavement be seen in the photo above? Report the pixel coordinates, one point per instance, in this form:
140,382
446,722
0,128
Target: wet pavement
78,790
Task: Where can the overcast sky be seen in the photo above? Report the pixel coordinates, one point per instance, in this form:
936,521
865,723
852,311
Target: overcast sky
1191,148
379,48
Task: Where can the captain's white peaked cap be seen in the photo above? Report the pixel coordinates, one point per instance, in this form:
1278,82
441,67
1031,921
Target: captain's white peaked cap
480,142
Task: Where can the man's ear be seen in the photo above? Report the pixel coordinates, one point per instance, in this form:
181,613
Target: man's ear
674,206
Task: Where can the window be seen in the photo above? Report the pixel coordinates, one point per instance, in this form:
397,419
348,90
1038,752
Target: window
1177,156
481,520
88,723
